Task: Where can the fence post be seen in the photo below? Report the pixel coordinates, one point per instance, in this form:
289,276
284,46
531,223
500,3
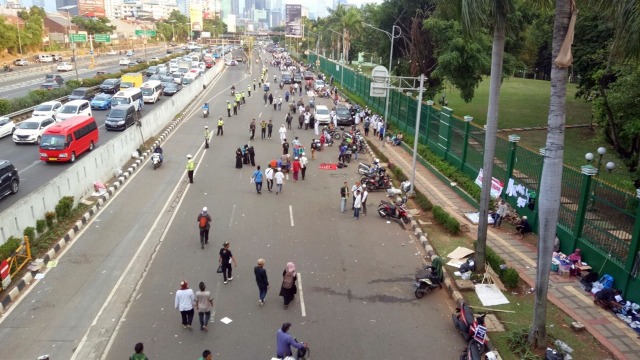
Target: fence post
634,247
588,172
465,143
429,111
511,160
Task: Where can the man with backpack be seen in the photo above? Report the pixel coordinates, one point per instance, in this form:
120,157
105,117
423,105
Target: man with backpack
204,224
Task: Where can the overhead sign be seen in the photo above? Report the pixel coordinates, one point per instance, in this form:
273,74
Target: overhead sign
293,22
76,38
205,34
103,38
145,32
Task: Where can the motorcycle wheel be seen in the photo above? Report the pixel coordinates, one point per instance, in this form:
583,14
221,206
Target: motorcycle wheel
336,136
382,213
419,293
405,219
362,151
155,166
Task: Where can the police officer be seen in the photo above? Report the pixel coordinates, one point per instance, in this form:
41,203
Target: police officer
220,125
191,166
228,109
207,136
249,89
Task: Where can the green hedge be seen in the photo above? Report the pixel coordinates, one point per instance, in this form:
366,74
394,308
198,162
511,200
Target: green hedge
9,247
64,207
447,221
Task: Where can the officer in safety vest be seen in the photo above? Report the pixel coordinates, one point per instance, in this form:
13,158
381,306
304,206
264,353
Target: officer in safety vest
228,109
190,167
249,89
220,125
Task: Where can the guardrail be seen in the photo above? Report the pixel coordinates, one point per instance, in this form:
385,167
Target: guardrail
24,114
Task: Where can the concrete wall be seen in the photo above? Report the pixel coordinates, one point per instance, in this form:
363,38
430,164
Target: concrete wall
78,179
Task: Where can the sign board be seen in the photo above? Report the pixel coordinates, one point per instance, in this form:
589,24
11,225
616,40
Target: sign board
377,89
293,20
205,34
76,38
496,185
145,33
4,269
102,38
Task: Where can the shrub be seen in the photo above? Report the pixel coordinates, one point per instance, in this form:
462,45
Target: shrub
50,218
5,106
41,226
510,278
447,221
494,259
30,232
423,201
63,209
9,247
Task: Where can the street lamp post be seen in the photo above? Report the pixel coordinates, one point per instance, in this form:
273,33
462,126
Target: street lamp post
609,166
392,36
173,31
341,58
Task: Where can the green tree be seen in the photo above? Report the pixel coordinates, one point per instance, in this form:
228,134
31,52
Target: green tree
550,187
99,25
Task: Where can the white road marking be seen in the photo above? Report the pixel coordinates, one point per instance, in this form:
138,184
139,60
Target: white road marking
303,310
291,214
260,115
233,211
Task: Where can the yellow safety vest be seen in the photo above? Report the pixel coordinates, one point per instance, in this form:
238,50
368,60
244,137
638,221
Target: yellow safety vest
207,134
220,122
191,165
229,106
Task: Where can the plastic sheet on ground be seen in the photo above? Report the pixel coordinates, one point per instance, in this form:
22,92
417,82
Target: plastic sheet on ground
490,295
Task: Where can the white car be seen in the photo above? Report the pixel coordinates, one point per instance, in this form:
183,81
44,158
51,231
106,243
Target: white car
322,114
64,67
73,108
124,61
49,108
319,84
21,62
155,58
112,52
30,131
6,126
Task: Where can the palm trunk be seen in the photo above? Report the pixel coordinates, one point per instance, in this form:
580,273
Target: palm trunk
497,58
550,185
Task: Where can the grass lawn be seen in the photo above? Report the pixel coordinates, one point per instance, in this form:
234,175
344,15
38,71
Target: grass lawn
523,103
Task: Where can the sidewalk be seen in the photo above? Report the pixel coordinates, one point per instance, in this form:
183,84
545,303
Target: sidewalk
615,335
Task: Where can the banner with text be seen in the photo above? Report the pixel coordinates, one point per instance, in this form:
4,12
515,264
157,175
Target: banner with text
293,20
496,185
195,15
91,8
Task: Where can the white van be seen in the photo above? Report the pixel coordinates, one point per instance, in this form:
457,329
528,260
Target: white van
128,96
151,91
44,58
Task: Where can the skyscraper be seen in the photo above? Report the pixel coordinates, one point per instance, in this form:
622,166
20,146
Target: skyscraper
38,3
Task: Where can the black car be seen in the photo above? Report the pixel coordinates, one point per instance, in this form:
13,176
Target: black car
50,85
287,79
152,70
166,79
54,77
308,75
121,117
139,60
110,86
344,115
171,89
297,78
169,51
82,93
9,178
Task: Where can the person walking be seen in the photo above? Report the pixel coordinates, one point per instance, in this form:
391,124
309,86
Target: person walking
228,109
204,303
138,352
286,96
344,194
265,97
220,127
500,213
288,119
191,166
275,103
283,133
252,129
284,342
204,224
257,179
252,155
303,164
285,147
207,136
235,107
313,146
263,129
289,289
225,259
269,129
239,158
381,131
296,168
280,103
261,281
268,173
367,124
365,195
249,90
279,176
184,303
316,127
354,188
357,204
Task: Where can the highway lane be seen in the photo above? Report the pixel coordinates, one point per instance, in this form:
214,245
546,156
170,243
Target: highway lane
20,85
34,173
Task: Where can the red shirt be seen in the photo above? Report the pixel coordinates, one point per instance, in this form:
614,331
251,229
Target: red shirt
296,165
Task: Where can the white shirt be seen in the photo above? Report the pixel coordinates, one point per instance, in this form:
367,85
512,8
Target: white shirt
185,299
268,173
358,201
283,130
279,177
304,161
365,194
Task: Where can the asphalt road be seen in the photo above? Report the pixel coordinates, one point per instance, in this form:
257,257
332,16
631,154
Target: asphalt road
116,284
34,172
27,78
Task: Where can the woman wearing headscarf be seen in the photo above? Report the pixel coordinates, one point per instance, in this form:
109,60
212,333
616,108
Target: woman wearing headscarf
239,158
289,289
185,299
245,153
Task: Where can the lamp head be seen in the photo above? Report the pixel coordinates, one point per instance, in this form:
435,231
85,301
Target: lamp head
602,150
610,166
589,157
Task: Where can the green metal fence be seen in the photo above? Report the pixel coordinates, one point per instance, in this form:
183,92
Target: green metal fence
601,219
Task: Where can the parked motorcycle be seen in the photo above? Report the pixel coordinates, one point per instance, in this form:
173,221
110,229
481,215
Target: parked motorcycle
397,211
474,350
428,278
376,183
156,160
470,326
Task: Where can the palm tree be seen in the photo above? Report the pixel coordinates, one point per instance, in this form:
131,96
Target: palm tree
550,184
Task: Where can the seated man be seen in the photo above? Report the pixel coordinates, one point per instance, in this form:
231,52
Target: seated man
607,299
576,259
523,227
397,139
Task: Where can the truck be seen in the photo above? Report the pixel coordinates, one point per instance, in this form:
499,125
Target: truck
184,66
131,80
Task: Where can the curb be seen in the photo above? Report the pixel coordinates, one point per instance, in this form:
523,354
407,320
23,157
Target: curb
26,280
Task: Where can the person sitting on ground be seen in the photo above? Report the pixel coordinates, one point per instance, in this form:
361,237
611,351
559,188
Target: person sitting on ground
398,139
523,227
576,257
607,299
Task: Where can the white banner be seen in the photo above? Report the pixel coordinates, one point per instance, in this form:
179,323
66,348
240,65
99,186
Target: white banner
496,185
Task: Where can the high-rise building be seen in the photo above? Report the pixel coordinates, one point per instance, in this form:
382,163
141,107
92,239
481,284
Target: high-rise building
38,3
235,7
63,3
